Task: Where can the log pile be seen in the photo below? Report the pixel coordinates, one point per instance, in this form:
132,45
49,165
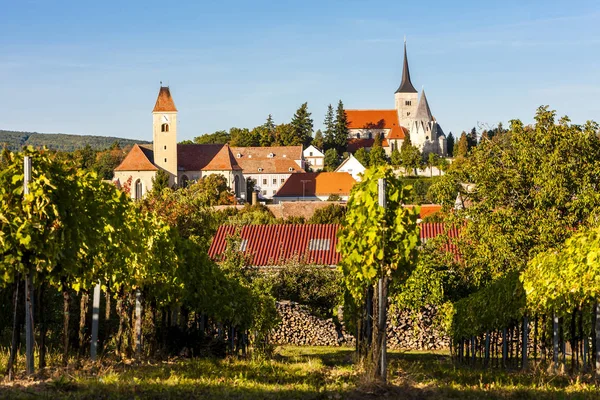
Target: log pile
405,330
415,331
299,327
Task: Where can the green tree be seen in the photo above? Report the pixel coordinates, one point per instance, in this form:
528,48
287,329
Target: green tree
432,161
341,128
218,137
286,136
332,160
450,144
243,137
472,138
377,154
160,181
410,155
376,243
396,158
461,149
331,214
302,125
362,156
329,134
107,161
318,140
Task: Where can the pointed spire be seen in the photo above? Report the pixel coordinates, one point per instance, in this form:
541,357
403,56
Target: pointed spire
423,111
406,86
164,101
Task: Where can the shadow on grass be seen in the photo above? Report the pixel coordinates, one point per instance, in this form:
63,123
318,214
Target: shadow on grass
307,373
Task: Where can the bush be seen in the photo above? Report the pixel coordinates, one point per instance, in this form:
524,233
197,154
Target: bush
317,287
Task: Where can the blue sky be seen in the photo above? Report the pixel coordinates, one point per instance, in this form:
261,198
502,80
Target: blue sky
95,67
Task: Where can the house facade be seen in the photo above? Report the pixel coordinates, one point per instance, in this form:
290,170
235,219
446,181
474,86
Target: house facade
352,166
314,158
267,167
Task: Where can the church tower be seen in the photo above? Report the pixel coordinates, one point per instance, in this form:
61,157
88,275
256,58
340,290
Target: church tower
406,96
164,125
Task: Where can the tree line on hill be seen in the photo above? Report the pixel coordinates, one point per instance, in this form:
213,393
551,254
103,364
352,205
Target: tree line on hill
15,141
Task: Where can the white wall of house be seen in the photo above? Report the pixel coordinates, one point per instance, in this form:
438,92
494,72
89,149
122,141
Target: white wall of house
352,166
267,184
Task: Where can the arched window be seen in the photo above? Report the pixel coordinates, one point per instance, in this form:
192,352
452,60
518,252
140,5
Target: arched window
138,189
236,181
358,135
164,128
370,135
185,181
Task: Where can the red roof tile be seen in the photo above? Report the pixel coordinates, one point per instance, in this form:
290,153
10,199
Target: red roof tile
252,158
317,184
164,101
138,159
373,119
205,157
272,245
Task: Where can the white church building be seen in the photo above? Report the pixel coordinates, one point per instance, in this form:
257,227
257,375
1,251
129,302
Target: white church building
411,115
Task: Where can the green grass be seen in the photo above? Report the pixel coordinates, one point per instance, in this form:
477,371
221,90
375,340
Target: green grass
296,373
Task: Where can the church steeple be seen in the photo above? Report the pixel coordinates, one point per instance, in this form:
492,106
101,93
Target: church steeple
423,110
406,86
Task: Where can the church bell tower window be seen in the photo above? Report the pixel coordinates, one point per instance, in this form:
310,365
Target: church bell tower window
164,128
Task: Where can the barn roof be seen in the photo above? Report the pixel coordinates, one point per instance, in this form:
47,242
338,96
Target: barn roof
273,245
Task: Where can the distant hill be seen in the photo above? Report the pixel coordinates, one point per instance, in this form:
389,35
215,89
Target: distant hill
59,141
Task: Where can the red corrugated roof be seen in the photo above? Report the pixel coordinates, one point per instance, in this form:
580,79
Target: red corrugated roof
272,245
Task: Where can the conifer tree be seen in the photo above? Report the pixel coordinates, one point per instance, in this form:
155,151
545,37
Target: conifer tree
329,136
377,154
332,160
450,144
396,159
462,147
362,156
341,128
318,140
302,125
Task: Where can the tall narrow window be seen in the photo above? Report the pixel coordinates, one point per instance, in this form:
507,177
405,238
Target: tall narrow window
236,181
138,189
407,103
164,128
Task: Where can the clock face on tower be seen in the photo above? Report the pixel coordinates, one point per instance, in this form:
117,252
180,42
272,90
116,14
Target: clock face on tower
165,118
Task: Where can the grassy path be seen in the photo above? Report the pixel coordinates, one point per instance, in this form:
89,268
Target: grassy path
298,373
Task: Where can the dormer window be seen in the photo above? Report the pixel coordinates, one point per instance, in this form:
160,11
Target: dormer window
164,128
260,169
271,155
290,169
239,155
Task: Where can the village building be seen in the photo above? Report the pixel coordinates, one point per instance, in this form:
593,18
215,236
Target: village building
411,115
267,167
352,166
316,186
268,246
314,158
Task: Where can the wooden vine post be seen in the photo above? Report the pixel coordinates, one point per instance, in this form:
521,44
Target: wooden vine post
525,337
597,338
555,341
95,321
28,286
382,290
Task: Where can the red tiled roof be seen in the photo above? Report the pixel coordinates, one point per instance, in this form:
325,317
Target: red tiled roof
271,245
397,132
274,244
426,209
164,101
138,159
205,157
252,158
317,184
374,119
